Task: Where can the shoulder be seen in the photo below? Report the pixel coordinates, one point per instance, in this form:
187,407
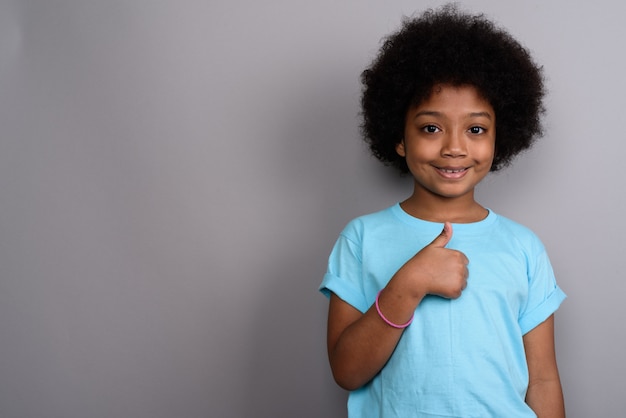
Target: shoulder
360,225
519,233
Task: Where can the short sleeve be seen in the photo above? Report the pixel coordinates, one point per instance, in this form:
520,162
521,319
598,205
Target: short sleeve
344,274
544,295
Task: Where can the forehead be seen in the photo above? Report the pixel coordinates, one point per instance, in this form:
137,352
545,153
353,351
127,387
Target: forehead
455,98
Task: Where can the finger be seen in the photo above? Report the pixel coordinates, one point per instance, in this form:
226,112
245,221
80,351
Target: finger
444,238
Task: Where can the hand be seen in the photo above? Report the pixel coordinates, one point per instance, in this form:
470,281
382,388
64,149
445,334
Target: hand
440,270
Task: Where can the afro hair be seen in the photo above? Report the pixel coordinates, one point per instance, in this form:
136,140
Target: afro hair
446,46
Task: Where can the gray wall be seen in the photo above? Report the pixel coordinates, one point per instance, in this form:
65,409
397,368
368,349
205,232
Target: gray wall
173,175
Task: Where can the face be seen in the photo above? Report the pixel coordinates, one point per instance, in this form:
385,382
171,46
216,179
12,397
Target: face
449,142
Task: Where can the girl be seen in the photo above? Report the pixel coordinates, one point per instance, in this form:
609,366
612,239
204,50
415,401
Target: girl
439,307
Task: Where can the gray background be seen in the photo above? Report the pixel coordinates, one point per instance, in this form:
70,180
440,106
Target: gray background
173,175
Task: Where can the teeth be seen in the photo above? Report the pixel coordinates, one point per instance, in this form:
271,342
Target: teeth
445,170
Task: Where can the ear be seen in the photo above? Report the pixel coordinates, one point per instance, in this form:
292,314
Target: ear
400,148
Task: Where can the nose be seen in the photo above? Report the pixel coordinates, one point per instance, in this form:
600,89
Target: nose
454,145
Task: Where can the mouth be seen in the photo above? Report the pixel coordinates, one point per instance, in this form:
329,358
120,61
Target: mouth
452,172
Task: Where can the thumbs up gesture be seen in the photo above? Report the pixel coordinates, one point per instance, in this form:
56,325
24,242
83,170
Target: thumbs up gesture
437,270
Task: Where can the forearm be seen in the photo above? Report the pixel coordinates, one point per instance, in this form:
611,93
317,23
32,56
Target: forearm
546,398
544,394
362,351
365,346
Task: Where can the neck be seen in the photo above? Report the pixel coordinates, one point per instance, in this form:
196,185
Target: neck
442,209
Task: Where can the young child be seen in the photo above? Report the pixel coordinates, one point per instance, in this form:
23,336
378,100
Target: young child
438,306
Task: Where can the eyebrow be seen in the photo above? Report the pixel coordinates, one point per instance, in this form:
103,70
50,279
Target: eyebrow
435,113
479,114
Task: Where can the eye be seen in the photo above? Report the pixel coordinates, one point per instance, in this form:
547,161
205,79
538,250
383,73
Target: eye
476,130
430,129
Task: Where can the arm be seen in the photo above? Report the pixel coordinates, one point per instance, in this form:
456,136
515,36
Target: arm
544,394
360,344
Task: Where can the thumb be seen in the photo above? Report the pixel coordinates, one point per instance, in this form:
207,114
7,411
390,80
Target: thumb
444,238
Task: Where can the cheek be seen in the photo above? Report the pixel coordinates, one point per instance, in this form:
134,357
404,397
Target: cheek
486,151
424,150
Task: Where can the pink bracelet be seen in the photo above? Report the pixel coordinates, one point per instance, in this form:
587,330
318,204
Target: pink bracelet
388,322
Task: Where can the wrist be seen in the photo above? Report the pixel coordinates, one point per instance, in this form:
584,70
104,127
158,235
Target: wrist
386,320
406,286
395,306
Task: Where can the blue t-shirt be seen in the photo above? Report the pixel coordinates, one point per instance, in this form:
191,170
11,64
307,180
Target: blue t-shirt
460,357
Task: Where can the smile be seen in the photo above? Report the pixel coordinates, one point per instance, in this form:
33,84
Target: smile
455,170
452,173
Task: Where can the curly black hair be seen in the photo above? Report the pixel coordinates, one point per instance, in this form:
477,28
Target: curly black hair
446,46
